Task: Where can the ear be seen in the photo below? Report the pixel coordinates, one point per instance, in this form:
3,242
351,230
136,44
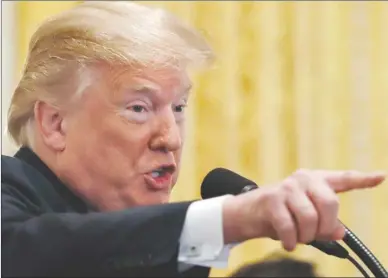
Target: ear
51,124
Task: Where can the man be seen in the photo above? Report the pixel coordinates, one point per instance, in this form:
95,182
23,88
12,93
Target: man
99,116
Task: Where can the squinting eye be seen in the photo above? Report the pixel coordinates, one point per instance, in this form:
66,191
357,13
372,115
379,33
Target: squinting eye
180,108
138,108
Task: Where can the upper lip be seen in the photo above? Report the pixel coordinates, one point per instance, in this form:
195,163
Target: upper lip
170,168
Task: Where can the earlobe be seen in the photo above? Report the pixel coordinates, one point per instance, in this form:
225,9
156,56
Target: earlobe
51,126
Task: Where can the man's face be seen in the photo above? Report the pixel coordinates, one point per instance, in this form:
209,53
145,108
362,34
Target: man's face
124,138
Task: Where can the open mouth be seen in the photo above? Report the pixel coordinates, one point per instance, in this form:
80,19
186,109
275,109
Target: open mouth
160,178
162,171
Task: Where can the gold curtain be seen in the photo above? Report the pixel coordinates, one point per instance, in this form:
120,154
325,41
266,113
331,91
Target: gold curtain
296,84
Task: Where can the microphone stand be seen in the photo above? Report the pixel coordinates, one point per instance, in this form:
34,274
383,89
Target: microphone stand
367,257
333,248
329,247
353,242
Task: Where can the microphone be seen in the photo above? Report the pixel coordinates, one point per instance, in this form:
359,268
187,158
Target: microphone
221,181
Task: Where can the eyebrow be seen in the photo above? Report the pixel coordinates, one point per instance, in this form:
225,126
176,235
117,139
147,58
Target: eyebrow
150,89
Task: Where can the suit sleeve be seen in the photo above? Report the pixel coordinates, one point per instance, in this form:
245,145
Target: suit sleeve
72,244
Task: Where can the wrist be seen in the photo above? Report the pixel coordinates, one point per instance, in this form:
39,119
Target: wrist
233,223
240,221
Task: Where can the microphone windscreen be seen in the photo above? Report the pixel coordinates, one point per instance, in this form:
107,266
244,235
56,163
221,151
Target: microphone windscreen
222,181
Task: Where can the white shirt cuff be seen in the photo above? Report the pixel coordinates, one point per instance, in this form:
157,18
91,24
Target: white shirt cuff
202,238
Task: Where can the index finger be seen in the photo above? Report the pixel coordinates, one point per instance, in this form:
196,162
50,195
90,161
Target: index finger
342,181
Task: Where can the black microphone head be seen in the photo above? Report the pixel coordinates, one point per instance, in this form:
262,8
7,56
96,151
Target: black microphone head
222,181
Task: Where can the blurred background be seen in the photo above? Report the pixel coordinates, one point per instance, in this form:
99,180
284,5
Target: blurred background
296,84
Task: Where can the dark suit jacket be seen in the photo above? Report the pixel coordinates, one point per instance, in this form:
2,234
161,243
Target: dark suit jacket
48,231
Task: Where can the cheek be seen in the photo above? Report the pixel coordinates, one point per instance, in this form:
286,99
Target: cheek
182,131
122,138
109,139
177,157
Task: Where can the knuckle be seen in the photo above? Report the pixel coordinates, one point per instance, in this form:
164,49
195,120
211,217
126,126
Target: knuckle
280,221
268,196
309,217
284,226
333,201
302,172
305,178
289,185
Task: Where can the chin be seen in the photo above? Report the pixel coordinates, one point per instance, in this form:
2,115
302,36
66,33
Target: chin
158,198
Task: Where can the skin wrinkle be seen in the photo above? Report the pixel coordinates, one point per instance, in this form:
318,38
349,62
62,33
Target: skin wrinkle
107,166
81,65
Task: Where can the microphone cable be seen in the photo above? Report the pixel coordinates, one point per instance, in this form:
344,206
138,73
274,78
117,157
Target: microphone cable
335,249
358,266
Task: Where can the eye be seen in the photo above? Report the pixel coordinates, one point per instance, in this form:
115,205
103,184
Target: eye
138,108
180,108
138,112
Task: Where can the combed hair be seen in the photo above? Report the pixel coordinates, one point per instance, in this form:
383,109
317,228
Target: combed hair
116,33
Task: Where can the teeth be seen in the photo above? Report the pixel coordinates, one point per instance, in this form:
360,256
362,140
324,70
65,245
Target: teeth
156,174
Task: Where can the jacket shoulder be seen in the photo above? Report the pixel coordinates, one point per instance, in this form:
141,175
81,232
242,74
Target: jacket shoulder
18,180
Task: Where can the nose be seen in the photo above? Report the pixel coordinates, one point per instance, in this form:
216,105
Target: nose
167,136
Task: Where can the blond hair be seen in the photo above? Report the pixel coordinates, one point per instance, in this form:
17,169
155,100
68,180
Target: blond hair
112,32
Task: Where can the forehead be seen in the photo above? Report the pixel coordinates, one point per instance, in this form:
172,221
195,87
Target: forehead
122,77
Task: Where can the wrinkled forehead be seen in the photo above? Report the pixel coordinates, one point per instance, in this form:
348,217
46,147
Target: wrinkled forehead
122,78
